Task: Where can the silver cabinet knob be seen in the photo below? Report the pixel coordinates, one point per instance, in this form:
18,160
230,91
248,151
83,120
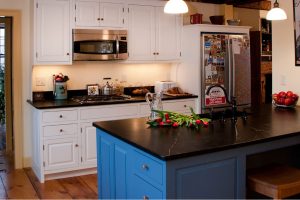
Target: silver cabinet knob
145,197
145,167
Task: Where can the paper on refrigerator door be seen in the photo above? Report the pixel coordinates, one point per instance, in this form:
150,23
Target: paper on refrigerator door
236,46
215,97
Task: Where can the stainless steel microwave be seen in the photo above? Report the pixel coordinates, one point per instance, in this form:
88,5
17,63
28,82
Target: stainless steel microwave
92,44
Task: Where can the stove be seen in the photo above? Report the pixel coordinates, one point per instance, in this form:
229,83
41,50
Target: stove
100,98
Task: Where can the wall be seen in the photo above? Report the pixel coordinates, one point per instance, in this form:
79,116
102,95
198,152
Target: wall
244,13
83,73
285,73
22,79
203,8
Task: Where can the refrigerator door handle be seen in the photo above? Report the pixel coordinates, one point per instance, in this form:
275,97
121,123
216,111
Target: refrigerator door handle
233,68
229,68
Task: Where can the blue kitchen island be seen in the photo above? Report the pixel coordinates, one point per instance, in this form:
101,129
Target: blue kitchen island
137,161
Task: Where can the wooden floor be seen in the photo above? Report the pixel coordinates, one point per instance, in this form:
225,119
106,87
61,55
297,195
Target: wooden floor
23,184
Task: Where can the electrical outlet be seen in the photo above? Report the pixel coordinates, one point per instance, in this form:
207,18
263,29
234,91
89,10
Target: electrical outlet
40,81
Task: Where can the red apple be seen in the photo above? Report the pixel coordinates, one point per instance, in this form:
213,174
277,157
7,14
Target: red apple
280,101
289,94
295,97
282,94
289,101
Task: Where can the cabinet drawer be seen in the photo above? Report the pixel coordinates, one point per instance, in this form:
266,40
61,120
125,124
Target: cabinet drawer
60,116
105,112
143,190
60,130
179,106
147,168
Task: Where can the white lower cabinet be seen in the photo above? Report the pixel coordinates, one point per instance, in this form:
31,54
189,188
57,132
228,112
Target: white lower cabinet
64,140
88,142
60,154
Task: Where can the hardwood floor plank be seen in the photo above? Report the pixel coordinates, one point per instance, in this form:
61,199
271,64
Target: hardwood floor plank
77,189
51,189
18,185
91,181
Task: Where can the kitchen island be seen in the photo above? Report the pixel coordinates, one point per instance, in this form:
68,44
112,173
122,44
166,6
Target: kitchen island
138,161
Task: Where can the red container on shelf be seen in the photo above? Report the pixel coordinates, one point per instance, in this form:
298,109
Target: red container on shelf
196,18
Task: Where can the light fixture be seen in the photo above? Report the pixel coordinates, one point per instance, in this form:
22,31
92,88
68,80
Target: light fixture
176,7
276,13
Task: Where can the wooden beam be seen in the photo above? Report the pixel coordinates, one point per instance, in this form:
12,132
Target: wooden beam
260,5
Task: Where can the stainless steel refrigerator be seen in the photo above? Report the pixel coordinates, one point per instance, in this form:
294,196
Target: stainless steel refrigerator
225,61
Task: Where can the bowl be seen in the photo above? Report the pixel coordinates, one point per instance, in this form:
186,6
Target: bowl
233,22
217,19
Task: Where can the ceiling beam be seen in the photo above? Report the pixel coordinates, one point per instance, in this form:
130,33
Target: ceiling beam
251,4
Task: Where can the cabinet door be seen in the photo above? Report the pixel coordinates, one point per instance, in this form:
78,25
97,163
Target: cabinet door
112,167
112,14
53,32
88,145
87,13
60,154
141,27
167,35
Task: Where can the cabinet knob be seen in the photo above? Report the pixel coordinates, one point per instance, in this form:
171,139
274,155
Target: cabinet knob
76,145
68,54
98,19
145,197
61,130
145,167
185,106
157,53
60,116
102,19
154,53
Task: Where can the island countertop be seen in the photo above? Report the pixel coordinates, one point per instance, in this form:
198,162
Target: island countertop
166,143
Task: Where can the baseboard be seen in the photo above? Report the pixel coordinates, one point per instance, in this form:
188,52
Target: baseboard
80,172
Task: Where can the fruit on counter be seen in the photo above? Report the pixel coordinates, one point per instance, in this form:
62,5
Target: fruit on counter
60,77
288,98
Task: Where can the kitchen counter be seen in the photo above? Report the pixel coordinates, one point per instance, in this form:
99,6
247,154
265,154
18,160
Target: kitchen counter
167,163
167,143
47,104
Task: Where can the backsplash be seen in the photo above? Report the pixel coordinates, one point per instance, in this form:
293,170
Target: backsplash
83,73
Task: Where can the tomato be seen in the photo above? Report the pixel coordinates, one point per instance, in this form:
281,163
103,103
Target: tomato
289,101
289,94
282,94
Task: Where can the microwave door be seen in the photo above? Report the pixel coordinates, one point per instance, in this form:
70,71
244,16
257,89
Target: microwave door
95,50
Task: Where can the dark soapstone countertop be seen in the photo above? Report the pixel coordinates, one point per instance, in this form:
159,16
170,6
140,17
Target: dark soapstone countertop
167,143
47,104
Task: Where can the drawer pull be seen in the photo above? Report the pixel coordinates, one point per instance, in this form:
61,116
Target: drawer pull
98,19
76,145
145,197
145,167
60,116
185,106
102,19
61,130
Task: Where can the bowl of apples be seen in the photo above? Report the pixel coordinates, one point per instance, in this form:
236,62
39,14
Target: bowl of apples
285,99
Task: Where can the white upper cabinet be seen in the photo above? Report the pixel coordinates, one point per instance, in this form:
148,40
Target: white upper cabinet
141,32
52,41
98,13
153,35
167,35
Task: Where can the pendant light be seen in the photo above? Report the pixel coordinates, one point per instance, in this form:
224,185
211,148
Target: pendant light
176,7
276,13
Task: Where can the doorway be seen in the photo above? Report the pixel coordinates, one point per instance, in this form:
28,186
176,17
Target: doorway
6,105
